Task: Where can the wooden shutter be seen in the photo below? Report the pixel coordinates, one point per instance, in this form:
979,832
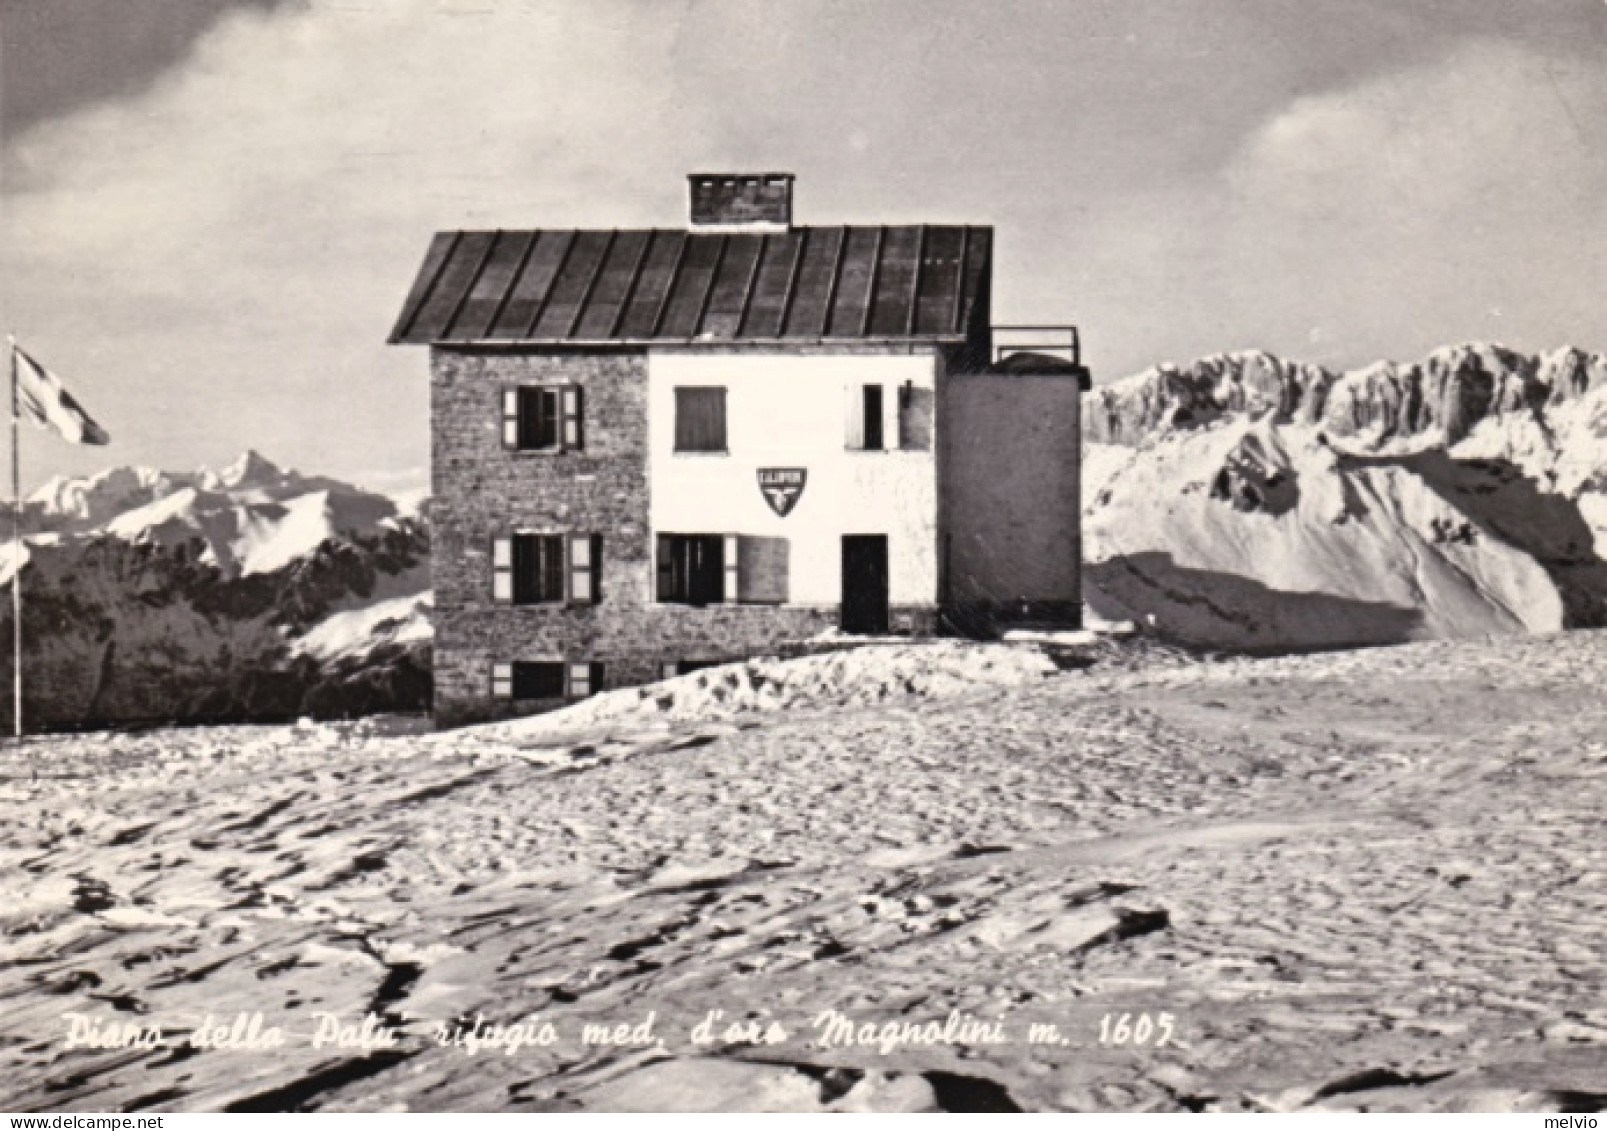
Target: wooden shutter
762,570
502,681
502,570
915,407
583,569
700,419
731,559
854,417
583,679
573,437
510,418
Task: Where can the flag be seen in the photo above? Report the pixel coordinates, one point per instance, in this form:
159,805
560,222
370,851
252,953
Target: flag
43,399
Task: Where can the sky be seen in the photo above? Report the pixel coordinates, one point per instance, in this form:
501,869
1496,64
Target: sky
211,210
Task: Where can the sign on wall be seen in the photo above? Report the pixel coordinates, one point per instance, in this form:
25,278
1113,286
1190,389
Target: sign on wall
781,487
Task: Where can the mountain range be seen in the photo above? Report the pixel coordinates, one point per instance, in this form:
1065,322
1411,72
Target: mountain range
1248,502
249,592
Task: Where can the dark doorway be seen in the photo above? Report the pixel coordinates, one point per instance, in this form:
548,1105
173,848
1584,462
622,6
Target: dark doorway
865,584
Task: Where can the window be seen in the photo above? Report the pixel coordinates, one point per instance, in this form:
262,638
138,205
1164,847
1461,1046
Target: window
545,679
535,569
700,420
669,669
712,569
542,418
692,568
863,419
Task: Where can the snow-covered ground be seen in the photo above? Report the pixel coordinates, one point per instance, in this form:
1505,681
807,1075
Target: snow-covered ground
1365,879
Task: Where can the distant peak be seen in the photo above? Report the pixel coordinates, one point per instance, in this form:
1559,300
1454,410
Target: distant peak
251,469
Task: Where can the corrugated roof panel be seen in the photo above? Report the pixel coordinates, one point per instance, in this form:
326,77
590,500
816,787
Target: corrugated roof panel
978,254
771,286
636,286
486,297
807,318
658,268
855,277
895,283
691,289
423,284
939,281
459,273
728,298
530,288
601,315
573,284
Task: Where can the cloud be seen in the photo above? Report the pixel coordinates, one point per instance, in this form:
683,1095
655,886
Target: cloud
1463,197
222,257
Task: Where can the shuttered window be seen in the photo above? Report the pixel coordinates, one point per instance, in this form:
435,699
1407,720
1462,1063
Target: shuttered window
863,429
545,679
534,569
712,569
700,419
543,418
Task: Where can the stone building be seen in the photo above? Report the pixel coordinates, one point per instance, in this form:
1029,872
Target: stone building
654,450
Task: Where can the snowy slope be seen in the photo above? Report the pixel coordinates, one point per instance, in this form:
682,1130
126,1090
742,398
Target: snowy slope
1249,502
1363,880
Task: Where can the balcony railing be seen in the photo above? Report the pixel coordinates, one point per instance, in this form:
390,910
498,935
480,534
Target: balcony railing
1055,341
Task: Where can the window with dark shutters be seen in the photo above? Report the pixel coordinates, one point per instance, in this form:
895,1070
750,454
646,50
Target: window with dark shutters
545,679
535,569
543,418
700,419
712,569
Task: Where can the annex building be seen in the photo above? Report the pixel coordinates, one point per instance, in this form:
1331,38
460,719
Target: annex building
654,450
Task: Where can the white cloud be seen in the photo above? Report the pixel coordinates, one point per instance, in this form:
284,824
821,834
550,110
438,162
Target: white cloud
1463,198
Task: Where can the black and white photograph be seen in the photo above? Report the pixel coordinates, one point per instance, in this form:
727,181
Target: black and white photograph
808,556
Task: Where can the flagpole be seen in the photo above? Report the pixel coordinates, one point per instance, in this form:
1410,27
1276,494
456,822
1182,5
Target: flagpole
16,555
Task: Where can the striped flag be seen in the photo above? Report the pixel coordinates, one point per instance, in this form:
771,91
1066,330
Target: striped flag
43,399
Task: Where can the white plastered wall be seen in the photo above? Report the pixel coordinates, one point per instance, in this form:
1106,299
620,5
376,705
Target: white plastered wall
787,410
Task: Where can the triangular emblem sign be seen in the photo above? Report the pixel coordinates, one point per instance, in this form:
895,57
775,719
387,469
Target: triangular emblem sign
781,487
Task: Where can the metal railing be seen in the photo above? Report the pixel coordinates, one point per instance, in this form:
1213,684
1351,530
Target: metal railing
1056,341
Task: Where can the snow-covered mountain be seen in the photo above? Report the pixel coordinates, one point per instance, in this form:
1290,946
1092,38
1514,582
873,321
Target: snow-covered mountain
1246,501
247,591
251,516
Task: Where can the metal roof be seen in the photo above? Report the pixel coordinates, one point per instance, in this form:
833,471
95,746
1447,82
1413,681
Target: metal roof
565,287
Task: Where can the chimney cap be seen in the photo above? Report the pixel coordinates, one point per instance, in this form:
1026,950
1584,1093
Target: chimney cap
743,202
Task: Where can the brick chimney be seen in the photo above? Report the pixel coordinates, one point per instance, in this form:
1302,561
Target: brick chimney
740,202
